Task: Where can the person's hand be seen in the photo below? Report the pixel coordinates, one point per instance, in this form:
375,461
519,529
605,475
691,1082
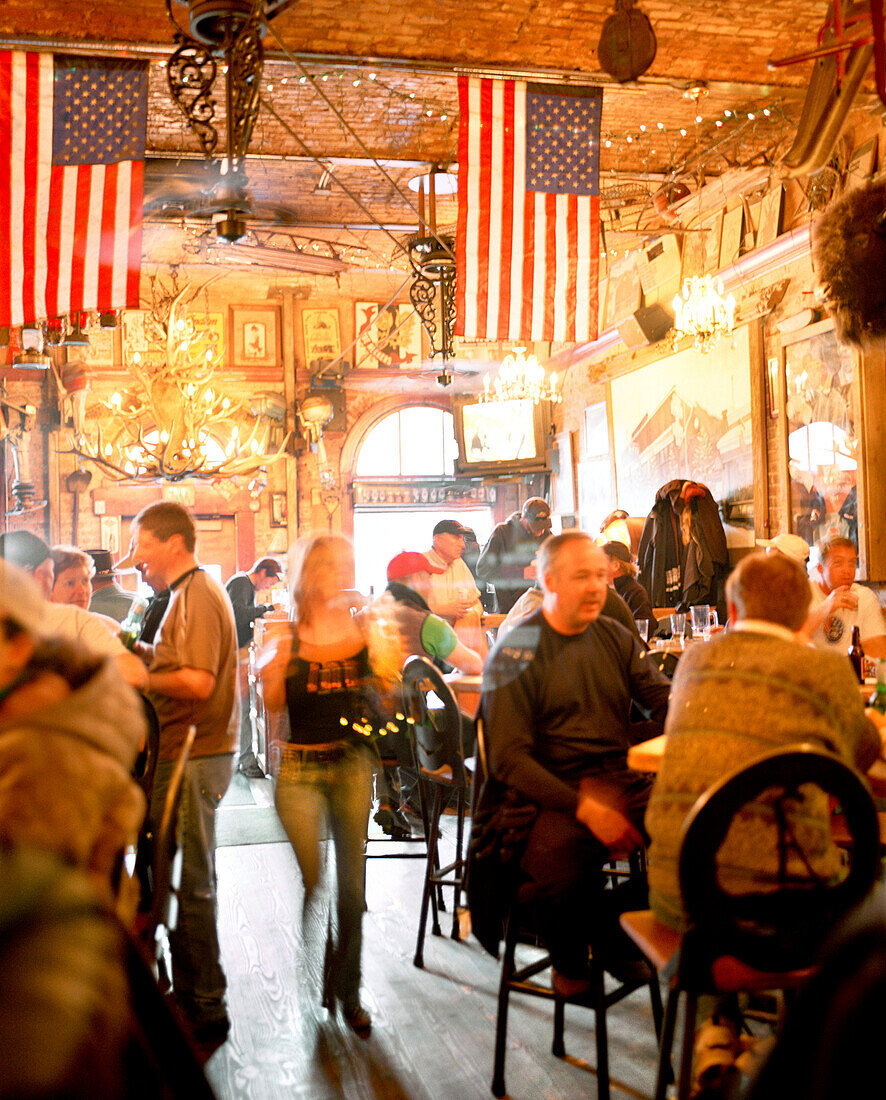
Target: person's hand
530,573
840,598
608,824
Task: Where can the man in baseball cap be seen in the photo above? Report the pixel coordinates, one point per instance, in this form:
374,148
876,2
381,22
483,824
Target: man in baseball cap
793,545
507,561
453,593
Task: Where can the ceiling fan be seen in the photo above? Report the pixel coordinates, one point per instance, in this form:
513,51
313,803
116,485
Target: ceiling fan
228,31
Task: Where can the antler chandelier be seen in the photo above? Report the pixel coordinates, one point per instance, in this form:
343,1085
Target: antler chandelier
173,422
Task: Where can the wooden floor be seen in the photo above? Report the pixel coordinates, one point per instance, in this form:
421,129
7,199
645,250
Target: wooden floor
433,1030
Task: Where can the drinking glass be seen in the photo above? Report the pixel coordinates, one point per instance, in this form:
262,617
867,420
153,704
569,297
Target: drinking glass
643,628
678,625
699,613
713,623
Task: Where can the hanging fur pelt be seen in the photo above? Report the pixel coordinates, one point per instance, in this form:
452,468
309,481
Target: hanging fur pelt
849,255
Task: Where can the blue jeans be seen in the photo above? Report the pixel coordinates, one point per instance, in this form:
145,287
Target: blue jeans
197,976
339,793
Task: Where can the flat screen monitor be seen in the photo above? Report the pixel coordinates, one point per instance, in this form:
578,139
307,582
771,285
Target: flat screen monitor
500,437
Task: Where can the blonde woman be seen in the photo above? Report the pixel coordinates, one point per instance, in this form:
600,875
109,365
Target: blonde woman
319,671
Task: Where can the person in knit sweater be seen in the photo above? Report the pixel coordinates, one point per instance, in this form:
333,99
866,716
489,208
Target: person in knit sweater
755,688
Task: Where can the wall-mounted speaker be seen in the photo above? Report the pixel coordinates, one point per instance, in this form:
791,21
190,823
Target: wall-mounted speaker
647,326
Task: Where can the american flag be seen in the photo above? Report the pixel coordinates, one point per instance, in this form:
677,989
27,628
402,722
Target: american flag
72,147
527,243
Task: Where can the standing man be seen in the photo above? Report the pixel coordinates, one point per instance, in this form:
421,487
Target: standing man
241,590
191,681
557,698
839,604
108,598
507,561
453,594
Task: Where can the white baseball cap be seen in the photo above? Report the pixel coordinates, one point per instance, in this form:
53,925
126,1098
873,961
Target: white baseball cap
792,545
21,600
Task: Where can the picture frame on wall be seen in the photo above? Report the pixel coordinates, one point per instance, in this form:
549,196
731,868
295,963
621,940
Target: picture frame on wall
321,332
676,415
731,237
770,216
277,504
102,350
388,336
255,336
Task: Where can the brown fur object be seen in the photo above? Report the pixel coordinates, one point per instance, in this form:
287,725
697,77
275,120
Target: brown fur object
849,254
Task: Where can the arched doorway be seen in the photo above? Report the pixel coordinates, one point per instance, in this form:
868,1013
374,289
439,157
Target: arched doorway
404,483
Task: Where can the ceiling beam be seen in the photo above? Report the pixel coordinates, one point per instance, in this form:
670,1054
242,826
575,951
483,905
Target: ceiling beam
414,66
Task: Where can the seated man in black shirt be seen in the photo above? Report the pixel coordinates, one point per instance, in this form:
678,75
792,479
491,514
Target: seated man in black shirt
557,697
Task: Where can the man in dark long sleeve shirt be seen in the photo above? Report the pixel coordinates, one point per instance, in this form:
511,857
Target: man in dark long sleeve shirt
241,590
557,699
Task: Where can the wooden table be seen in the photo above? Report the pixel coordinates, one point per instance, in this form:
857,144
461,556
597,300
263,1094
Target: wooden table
646,757
467,691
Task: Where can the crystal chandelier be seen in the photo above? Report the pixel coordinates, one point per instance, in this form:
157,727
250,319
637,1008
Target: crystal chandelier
521,378
700,309
174,421
702,312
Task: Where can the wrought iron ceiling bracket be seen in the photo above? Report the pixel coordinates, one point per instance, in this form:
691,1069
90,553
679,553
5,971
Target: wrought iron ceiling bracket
432,291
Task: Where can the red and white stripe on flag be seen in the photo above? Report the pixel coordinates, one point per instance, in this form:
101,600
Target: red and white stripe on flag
72,232
528,261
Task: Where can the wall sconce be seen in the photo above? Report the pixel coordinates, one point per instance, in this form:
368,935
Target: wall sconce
31,357
314,414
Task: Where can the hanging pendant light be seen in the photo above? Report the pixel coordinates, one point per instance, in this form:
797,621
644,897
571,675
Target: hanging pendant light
701,311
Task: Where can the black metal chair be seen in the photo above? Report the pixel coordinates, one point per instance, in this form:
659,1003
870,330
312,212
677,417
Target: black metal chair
438,737
758,941
528,977
166,861
146,762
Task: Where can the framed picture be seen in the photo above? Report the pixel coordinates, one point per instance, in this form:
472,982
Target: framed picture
823,444
622,290
102,346
770,216
255,336
278,509
688,415
321,331
731,237
701,246
110,534
141,334
388,337
209,336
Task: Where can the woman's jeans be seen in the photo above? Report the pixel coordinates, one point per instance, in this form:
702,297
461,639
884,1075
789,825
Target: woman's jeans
337,792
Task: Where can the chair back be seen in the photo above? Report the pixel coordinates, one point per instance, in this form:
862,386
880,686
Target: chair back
167,854
434,720
146,762
780,929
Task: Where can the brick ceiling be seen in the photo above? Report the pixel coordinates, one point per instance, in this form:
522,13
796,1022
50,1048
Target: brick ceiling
388,70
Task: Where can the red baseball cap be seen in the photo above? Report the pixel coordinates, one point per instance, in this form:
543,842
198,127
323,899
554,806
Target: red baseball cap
409,562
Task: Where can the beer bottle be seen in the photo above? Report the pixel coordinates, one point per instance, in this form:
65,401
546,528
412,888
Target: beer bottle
131,626
856,655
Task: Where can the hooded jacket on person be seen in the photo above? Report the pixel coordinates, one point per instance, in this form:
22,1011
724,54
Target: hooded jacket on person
66,765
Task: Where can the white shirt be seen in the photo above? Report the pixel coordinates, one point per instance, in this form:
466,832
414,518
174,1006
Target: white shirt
457,583
83,628
836,631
